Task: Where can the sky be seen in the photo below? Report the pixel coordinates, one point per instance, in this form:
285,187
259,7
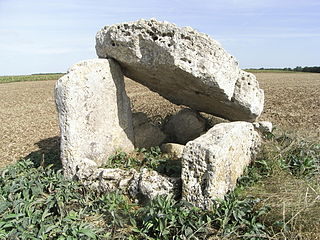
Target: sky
43,36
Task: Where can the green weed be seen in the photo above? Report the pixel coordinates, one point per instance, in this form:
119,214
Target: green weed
165,218
151,158
301,158
122,160
286,177
38,203
240,217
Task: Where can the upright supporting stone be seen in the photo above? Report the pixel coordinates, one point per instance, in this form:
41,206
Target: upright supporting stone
212,163
94,114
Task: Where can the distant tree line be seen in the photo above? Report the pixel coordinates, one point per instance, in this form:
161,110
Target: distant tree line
315,69
47,73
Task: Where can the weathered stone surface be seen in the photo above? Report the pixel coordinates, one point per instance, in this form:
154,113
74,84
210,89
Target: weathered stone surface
94,114
184,66
173,149
106,179
247,95
184,126
212,163
263,126
142,186
145,133
148,184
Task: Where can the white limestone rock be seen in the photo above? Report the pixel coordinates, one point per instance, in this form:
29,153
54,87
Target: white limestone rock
263,126
184,126
173,149
184,66
95,117
212,163
247,95
148,184
106,179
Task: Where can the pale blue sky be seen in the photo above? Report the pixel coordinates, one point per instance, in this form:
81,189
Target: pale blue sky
50,35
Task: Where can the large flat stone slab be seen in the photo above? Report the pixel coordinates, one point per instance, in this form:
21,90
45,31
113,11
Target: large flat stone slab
95,117
212,163
184,66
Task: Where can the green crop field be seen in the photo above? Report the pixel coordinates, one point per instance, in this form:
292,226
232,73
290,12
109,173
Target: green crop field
32,77
269,71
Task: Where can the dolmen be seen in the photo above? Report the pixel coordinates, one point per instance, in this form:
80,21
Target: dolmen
187,68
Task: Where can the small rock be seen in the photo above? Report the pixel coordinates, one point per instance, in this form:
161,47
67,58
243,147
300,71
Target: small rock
146,134
212,163
185,126
263,126
149,184
173,149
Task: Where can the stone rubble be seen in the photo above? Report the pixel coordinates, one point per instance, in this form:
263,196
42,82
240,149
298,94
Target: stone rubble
148,184
143,186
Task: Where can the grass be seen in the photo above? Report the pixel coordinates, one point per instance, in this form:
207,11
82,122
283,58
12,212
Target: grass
33,77
277,198
286,177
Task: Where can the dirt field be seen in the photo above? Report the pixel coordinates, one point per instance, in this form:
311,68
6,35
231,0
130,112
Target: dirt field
29,121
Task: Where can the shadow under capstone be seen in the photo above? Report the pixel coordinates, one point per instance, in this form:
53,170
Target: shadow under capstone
125,124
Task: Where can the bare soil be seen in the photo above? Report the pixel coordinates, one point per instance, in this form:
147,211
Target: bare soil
292,101
29,120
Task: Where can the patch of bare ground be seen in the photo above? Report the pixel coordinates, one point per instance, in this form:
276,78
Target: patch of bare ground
29,119
292,101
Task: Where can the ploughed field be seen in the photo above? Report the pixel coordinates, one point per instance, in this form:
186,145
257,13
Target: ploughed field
29,123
